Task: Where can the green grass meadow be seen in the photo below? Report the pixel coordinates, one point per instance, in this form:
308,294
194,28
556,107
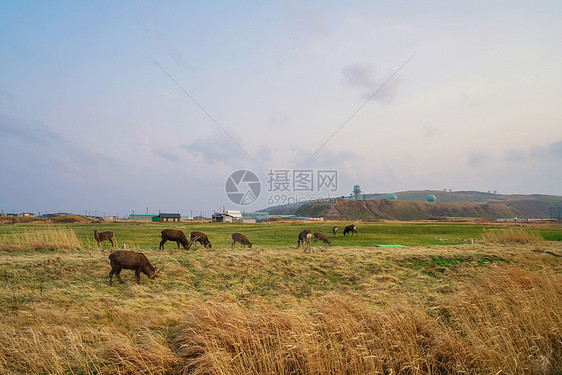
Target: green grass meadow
268,235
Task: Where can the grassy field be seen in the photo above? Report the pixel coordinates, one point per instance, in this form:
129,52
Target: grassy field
268,235
433,307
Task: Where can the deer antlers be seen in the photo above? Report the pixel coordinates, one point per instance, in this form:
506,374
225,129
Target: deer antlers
158,270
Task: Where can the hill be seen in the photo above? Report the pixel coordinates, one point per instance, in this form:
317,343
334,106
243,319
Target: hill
412,205
54,219
470,197
345,209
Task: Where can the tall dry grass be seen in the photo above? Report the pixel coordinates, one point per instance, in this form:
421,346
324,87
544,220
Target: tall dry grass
337,336
509,323
48,238
504,320
511,235
52,349
43,349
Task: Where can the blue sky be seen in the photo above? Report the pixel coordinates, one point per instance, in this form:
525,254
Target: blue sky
89,120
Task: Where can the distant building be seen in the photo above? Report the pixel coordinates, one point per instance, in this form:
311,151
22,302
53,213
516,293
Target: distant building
13,214
221,218
166,218
233,216
236,214
141,216
356,193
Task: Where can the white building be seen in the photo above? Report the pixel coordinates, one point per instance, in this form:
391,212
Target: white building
236,214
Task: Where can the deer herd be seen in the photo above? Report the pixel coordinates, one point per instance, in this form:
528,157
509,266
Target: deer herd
126,259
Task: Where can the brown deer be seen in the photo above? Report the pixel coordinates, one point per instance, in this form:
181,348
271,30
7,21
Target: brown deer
304,238
322,237
239,237
335,231
350,229
174,235
103,236
201,238
130,260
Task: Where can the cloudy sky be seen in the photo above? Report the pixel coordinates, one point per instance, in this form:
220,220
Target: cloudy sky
115,106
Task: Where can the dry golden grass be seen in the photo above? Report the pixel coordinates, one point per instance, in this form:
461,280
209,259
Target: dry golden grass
46,238
56,349
511,235
508,322
143,352
481,309
511,320
333,336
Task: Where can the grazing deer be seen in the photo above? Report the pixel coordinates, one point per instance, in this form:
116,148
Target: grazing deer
103,236
174,235
322,237
304,238
239,237
201,238
335,231
130,260
350,228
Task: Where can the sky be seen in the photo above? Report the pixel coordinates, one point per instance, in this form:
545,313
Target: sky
111,107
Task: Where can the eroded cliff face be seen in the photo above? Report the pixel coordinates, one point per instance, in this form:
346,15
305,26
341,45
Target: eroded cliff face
348,209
